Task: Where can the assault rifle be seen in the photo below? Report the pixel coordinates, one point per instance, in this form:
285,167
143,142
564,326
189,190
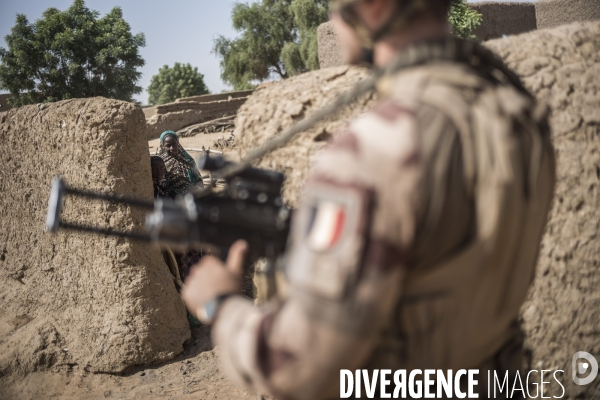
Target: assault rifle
250,208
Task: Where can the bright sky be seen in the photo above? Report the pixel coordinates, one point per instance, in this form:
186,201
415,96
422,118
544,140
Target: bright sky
176,30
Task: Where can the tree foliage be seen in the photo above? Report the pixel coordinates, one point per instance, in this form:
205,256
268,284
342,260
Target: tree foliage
71,54
170,84
463,19
302,55
279,38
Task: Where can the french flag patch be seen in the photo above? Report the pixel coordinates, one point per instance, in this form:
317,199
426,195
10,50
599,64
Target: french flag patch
326,224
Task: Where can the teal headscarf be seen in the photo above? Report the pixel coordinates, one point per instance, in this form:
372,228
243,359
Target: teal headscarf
182,171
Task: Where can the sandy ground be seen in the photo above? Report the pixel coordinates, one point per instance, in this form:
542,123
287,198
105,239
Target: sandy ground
195,374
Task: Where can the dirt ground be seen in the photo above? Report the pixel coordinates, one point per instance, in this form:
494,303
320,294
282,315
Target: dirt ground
195,374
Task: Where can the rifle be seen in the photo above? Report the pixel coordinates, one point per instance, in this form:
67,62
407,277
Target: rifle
250,208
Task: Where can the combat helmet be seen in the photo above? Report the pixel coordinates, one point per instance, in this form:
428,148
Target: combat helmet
405,10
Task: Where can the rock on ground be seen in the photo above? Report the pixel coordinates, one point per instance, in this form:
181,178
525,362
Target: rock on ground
561,66
102,304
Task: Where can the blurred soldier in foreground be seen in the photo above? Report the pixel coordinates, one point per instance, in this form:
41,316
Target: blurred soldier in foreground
418,235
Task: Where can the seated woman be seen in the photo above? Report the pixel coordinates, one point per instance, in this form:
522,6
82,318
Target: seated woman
159,175
182,175
159,182
182,172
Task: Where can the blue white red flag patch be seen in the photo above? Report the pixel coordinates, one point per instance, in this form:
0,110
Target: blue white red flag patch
326,224
328,238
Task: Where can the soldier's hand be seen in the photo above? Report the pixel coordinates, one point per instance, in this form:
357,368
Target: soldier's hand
211,278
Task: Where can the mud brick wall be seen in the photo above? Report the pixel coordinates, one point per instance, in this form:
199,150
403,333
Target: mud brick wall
330,51
551,13
177,106
561,66
178,115
4,106
216,97
149,111
102,303
504,18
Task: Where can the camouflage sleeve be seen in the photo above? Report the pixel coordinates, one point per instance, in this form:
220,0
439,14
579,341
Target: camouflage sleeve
352,241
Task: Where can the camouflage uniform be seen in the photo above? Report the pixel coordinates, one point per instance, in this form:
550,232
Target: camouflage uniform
415,244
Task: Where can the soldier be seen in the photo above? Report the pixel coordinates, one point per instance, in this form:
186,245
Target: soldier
417,238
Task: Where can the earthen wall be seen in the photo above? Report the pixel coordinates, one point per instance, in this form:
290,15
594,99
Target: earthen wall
102,303
4,106
552,13
217,97
178,115
504,18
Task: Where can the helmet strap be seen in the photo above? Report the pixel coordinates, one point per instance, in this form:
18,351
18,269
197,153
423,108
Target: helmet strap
368,57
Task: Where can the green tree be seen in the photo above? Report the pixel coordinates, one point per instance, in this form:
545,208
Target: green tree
173,83
279,38
302,55
71,54
463,19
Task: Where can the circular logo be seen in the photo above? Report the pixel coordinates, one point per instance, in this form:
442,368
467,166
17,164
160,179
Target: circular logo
579,367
